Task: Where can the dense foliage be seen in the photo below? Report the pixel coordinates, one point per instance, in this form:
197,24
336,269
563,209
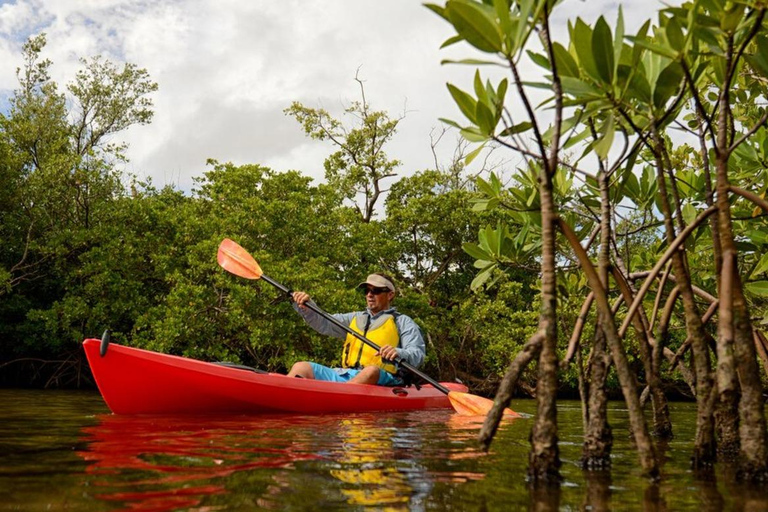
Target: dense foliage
89,248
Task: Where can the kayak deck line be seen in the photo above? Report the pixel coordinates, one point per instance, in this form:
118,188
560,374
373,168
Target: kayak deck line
138,381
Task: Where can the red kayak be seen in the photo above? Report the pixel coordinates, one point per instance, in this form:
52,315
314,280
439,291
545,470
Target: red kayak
136,381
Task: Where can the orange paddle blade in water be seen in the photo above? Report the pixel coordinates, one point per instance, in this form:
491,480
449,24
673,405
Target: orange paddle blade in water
473,405
236,260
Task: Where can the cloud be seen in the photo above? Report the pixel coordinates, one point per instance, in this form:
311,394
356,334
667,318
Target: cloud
226,70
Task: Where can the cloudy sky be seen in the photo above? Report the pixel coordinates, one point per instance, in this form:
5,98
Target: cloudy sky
226,69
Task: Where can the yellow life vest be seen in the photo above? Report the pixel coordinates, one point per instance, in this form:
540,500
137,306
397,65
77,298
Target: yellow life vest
382,331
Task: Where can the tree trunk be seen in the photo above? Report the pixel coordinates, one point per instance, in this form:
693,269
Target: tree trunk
734,348
727,401
734,327
704,447
626,376
598,438
544,458
662,425
530,351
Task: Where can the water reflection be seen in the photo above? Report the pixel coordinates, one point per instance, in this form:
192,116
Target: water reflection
369,468
545,498
58,451
165,463
597,490
162,463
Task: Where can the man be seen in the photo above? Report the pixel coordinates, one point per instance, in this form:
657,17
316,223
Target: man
397,336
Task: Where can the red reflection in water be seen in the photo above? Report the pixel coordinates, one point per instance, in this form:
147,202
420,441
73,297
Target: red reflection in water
161,458
171,462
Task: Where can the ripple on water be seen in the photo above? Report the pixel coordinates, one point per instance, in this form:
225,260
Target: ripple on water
63,450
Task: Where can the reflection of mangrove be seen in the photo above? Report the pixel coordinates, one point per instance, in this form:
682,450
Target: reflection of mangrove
167,462
544,497
597,491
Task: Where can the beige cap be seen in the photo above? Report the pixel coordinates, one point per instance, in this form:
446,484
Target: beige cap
379,281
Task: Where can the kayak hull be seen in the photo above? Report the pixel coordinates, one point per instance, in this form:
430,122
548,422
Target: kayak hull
136,381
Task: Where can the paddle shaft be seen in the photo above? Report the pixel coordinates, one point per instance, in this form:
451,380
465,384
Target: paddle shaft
400,361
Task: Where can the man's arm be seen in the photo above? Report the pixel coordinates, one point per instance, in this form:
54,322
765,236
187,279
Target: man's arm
322,324
412,347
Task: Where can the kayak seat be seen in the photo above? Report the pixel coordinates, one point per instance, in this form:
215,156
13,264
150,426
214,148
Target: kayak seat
239,366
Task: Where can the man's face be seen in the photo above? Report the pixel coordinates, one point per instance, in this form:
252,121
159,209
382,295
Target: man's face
378,299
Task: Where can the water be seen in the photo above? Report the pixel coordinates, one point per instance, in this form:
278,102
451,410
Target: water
65,451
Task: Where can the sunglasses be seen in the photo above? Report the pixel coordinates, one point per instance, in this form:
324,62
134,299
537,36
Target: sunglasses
375,291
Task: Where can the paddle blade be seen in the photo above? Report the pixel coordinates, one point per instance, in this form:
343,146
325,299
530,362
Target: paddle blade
473,405
236,260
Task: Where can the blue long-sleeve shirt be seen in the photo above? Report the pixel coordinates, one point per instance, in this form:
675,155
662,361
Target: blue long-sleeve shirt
411,347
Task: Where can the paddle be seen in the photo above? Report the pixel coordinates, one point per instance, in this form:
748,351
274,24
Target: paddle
236,260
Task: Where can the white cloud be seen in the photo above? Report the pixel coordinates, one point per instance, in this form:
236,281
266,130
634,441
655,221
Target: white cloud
227,69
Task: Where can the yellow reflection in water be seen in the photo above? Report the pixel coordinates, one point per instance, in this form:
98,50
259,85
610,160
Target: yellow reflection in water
368,471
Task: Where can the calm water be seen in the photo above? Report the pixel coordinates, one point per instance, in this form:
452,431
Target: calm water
65,451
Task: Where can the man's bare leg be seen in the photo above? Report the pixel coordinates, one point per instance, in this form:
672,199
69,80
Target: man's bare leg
302,369
368,375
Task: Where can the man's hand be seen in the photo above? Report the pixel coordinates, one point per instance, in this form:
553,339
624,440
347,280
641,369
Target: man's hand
300,298
388,353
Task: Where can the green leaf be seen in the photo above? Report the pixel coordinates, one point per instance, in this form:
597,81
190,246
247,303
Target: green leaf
481,264
467,104
476,251
472,134
451,40
480,91
655,48
572,141
602,50
581,38
518,128
732,17
639,87
501,93
437,9
473,62
579,89
481,278
566,65
485,187
757,288
669,82
758,63
637,49
539,59
523,27
674,34
491,240
502,12
603,145
473,22
689,213
618,39
470,157
450,123
486,120
761,266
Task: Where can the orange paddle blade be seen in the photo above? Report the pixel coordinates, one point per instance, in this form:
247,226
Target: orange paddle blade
473,405
236,260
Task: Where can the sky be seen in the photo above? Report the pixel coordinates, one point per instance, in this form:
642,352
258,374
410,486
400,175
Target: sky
226,70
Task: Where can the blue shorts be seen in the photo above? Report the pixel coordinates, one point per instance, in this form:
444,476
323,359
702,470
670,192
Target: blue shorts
345,374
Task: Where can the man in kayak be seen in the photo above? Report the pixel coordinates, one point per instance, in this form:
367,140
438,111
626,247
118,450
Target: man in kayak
397,335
